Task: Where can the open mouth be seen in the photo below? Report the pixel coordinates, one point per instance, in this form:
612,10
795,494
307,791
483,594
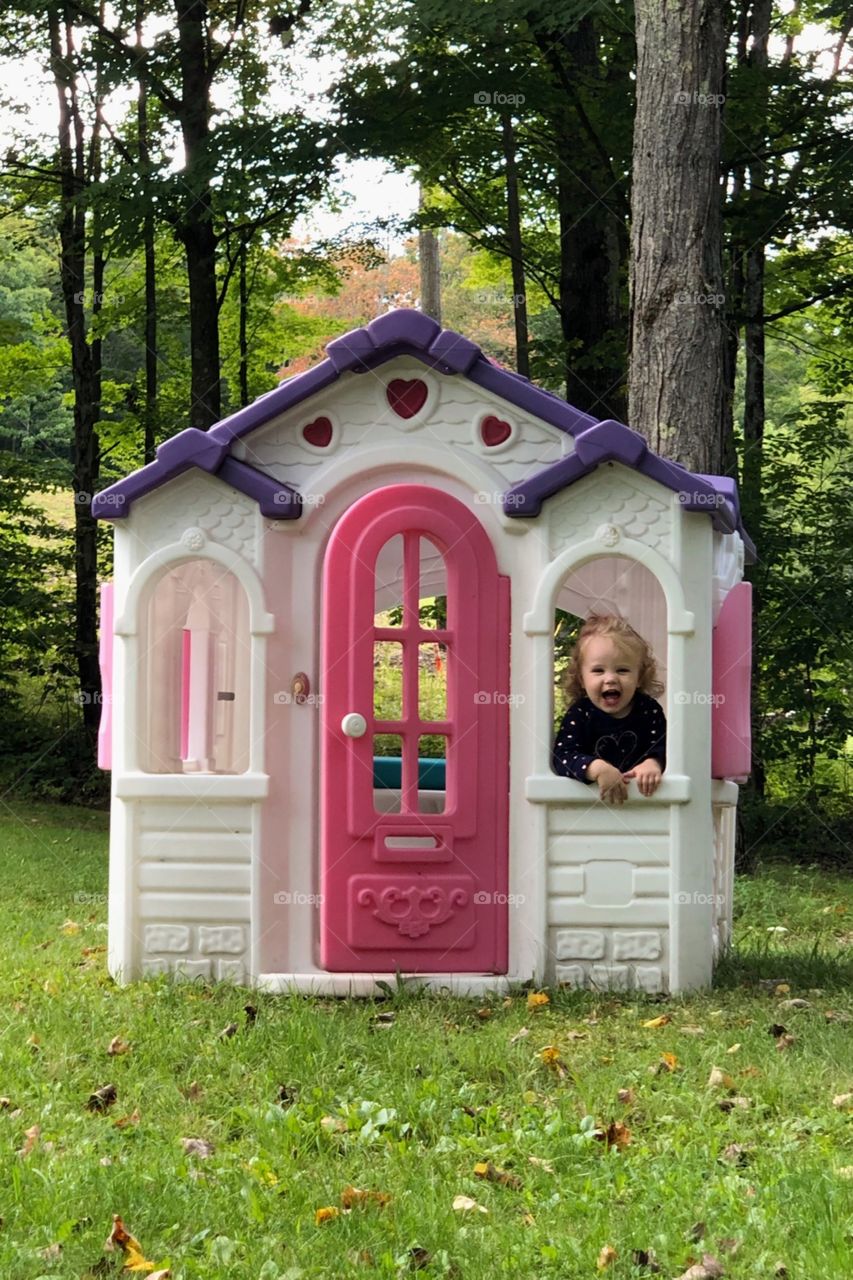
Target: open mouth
611,697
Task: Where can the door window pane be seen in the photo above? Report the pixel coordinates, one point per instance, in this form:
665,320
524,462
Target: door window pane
388,679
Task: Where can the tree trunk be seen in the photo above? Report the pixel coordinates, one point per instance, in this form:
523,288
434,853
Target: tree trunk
429,263
677,392
72,237
149,413
513,218
195,229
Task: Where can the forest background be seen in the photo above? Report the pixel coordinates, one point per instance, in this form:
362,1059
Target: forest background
151,279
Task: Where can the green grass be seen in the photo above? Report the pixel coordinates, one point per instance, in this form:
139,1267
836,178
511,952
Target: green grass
419,1101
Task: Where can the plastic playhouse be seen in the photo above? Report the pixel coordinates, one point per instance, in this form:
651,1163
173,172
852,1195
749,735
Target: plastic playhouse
276,823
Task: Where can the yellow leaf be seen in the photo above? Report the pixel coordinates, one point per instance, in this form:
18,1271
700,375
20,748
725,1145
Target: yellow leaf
70,927
662,1021
607,1256
355,1195
733,1048
326,1214
669,1060
782,989
537,999
117,1046
134,1261
719,1080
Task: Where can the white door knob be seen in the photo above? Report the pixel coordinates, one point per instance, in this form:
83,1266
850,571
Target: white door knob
354,725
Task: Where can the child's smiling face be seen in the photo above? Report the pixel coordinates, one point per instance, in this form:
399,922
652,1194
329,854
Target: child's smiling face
610,675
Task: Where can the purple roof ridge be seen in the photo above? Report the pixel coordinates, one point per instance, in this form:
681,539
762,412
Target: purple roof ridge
194,448
409,332
611,441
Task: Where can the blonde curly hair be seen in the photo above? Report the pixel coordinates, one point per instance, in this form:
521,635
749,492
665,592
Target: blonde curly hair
624,637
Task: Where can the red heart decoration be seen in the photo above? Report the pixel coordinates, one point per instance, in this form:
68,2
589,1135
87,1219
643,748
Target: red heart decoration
494,430
318,432
406,397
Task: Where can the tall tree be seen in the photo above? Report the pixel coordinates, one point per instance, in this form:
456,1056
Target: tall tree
676,381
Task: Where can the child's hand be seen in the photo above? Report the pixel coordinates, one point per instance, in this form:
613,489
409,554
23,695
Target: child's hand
647,775
612,787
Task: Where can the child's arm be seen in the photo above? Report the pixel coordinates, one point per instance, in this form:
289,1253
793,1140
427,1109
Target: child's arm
612,787
647,773
571,756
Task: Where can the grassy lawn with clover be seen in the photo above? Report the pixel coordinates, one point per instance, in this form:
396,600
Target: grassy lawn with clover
577,1136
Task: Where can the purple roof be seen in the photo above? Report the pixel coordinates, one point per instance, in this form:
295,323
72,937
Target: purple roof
408,332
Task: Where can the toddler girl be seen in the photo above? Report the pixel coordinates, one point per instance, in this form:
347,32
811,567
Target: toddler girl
614,730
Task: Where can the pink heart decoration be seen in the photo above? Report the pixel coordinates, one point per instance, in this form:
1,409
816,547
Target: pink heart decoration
318,432
406,396
494,430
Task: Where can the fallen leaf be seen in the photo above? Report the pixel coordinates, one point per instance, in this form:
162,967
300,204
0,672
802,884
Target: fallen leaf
834,1015
522,1034
733,1048
779,1269
695,1233
669,1060
615,1135
102,1098
719,1080
606,1256
197,1147
5,1104
286,1095
193,1091
251,1014
692,1031
227,1032
464,1204
51,1252
34,1042
484,1014
663,1021
161,1275
354,1195
734,1153
31,1137
728,1244
125,1121
326,1214
117,1046
784,1042
507,1002
796,1003
528,1220
121,1240
550,1055
777,1030
846,1171
537,999
645,1258
333,1124
844,1101
627,1096
485,1169
783,988
730,1104
708,1269
419,1258
69,927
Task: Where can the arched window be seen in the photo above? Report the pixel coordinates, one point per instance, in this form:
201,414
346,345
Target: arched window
608,585
194,676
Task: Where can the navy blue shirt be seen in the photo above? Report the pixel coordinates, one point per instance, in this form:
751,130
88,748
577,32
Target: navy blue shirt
587,734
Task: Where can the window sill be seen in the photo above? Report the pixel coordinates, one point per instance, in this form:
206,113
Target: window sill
193,786
549,789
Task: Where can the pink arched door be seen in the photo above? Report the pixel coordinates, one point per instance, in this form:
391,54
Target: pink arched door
422,887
